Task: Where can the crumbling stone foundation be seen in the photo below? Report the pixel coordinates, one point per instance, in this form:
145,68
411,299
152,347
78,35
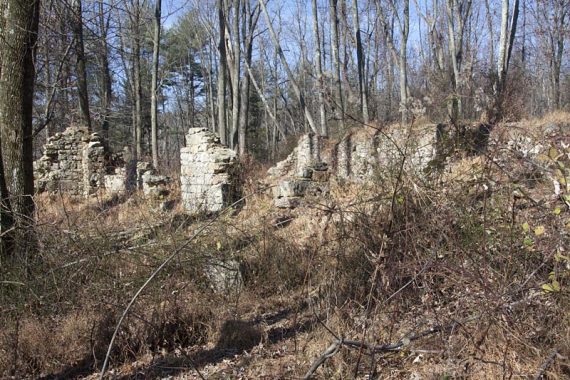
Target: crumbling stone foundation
209,175
356,157
76,162
73,162
306,154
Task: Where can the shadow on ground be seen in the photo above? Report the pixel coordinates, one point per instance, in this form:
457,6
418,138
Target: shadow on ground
172,364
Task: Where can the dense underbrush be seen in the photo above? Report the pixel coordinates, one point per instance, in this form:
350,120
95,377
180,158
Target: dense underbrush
462,273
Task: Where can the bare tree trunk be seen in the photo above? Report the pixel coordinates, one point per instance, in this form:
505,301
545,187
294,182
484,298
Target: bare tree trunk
404,32
362,85
244,119
264,101
336,60
65,108
501,66
453,52
275,77
401,57
561,9
129,70
80,65
434,37
249,22
235,75
512,34
207,73
48,86
222,73
6,218
17,75
211,89
137,82
457,15
344,32
523,47
507,40
106,83
505,48
294,84
154,83
138,101
192,102
302,71
557,67
319,65
491,31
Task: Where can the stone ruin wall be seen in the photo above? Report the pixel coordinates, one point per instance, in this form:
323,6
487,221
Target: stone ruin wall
77,163
305,155
73,162
209,173
355,158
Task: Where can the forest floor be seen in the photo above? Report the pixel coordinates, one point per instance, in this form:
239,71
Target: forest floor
463,272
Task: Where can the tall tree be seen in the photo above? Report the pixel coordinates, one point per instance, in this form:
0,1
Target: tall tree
154,83
290,75
319,66
222,130
457,14
404,23
83,95
552,26
335,47
17,76
505,48
401,55
490,25
507,40
106,84
6,218
135,18
234,65
362,85
249,21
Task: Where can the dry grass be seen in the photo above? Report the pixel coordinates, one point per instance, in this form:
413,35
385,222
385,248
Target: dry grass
556,117
375,263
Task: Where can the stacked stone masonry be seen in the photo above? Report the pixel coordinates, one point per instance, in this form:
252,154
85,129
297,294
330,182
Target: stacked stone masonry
209,176
355,158
73,162
76,162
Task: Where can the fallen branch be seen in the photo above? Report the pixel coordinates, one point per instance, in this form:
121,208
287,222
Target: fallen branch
372,349
546,364
333,349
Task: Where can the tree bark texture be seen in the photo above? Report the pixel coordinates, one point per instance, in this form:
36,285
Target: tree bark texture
82,92
335,44
404,32
360,59
17,78
154,83
137,80
222,73
319,65
235,74
106,80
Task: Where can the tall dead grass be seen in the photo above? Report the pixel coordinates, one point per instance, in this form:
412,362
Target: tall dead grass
470,250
